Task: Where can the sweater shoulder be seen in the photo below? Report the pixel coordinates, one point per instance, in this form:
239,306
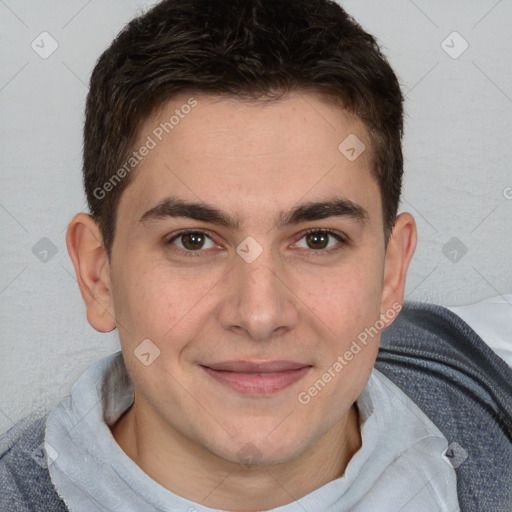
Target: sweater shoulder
465,389
25,481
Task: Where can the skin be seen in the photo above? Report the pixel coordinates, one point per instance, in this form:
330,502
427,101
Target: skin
295,301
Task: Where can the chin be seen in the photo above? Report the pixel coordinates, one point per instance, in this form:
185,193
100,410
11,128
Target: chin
258,448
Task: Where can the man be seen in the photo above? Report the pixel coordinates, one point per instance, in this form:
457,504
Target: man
243,167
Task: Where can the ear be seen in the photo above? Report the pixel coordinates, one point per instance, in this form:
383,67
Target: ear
399,252
85,247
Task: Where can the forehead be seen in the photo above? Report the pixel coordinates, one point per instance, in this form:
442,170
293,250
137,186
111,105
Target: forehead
299,121
210,147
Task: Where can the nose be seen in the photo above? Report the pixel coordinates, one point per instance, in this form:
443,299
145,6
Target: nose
259,300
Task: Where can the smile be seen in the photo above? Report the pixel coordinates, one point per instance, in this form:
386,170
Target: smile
257,383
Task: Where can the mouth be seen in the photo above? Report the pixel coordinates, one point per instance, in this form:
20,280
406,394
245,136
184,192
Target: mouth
257,379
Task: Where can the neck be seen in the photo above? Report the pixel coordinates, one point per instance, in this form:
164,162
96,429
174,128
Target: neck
192,472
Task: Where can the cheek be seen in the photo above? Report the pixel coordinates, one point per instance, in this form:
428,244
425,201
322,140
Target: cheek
349,310
144,302
348,305
153,300
347,299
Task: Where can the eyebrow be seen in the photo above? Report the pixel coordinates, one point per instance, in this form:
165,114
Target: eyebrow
174,207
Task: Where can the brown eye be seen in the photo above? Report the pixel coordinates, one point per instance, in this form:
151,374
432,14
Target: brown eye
319,240
193,241
190,241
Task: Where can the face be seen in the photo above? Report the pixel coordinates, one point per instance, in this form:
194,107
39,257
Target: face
258,275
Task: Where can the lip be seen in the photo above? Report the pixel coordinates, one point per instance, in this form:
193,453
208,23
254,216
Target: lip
257,379
242,366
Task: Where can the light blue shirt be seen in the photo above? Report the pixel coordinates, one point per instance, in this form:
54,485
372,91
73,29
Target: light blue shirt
399,467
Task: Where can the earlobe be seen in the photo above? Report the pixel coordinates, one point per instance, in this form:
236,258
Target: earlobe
85,248
399,252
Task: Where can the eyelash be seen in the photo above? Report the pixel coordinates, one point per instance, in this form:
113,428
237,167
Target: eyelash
344,241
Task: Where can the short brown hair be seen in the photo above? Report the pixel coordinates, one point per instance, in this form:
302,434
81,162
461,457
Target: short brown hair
245,48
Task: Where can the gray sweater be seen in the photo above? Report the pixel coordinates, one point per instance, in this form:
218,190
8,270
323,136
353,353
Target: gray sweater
429,352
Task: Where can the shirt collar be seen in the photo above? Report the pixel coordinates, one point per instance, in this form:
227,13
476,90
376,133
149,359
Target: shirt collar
90,468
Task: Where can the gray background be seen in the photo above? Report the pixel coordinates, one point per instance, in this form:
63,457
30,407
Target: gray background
457,146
